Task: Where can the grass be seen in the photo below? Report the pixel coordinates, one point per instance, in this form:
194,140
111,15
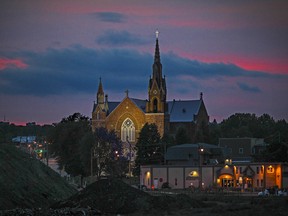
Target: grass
25,182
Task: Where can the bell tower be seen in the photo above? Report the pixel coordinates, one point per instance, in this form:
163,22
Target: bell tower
157,85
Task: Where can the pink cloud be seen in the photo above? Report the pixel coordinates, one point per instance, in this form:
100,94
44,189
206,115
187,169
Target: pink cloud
248,62
8,63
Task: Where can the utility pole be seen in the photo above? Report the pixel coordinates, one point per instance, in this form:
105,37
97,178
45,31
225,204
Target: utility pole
47,153
129,165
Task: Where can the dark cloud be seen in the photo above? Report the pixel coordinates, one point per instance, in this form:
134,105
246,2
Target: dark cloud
77,70
113,17
248,88
208,70
112,37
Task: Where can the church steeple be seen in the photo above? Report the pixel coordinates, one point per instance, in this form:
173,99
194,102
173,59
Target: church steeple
157,85
100,93
157,52
157,66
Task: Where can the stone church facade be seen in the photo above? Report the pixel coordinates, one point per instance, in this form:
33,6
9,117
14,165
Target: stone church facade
127,117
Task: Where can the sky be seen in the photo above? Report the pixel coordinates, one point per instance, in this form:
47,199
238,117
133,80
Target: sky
53,53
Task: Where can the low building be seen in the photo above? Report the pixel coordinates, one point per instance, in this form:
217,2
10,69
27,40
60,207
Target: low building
229,175
242,149
194,154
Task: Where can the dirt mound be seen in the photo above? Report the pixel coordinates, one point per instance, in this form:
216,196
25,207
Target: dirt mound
115,196
25,182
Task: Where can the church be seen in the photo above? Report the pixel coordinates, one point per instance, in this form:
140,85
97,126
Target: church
127,117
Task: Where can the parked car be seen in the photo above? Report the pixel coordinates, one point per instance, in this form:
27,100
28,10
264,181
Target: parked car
264,193
142,187
282,193
166,185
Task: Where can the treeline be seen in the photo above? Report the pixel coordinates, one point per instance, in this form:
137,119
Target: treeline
8,131
249,125
81,151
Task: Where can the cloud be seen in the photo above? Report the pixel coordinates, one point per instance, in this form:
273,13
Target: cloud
247,88
77,70
112,37
113,17
12,63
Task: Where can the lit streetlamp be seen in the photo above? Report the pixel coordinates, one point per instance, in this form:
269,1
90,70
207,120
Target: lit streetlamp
200,152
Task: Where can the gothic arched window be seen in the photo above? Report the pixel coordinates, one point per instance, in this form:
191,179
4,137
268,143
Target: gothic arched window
128,130
155,106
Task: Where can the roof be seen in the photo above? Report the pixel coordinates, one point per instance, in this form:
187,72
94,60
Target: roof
183,111
112,106
179,111
140,103
186,151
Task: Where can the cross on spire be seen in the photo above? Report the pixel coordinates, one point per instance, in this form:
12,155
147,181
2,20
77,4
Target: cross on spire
157,34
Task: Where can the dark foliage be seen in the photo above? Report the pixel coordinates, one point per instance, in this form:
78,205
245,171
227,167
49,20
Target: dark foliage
148,147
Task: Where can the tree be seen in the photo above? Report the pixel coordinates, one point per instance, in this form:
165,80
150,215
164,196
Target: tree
106,152
148,149
181,136
214,132
65,140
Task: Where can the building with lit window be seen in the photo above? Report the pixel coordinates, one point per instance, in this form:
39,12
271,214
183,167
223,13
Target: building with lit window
203,165
236,175
127,117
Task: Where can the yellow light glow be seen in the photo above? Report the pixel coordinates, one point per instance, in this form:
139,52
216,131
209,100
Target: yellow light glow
148,173
218,180
240,180
226,166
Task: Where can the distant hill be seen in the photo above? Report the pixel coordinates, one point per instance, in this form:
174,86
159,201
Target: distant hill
25,182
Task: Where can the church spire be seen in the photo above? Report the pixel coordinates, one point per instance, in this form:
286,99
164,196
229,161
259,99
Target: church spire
157,66
100,93
157,52
157,85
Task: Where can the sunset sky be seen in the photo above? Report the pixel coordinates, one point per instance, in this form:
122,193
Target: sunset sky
52,54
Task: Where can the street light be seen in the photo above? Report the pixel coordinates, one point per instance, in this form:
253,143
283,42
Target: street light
200,151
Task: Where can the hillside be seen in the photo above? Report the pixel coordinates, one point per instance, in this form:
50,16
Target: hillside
25,182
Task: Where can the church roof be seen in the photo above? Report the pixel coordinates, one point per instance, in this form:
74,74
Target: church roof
183,111
140,103
112,106
180,111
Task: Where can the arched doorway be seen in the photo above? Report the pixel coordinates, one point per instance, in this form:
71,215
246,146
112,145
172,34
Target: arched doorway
226,180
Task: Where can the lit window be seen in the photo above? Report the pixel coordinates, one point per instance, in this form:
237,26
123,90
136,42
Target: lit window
128,131
270,169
